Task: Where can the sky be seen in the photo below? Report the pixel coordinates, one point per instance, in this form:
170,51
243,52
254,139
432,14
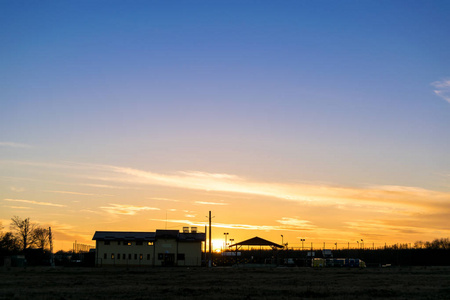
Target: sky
327,121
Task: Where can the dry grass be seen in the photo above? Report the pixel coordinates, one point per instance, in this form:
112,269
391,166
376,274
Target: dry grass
225,283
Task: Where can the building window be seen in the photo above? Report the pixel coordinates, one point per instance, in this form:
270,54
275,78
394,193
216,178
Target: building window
118,243
106,243
118,256
112,255
124,256
180,256
139,243
141,256
148,256
149,243
105,256
128,243
135,256
129,255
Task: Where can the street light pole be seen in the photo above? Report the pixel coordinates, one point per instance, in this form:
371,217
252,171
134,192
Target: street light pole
302,240
225,233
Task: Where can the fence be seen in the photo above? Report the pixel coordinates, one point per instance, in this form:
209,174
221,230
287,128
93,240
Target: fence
79,248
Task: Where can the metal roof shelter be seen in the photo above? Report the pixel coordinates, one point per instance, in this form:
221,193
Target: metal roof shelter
257,241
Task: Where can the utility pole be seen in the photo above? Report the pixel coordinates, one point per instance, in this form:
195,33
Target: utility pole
210,242
205,245
50,239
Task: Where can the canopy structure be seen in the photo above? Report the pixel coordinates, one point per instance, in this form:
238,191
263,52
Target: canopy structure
257,241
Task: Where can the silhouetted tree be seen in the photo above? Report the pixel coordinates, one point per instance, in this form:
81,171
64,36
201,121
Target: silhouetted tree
418,245
40,237
442,243
8,243
23,231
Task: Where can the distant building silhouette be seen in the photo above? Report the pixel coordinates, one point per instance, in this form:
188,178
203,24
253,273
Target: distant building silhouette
160,248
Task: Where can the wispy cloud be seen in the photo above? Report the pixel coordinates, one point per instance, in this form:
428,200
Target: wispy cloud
210,203
442,89
18,207
34,202
368,198
14,145
296,223
78,193
287,227
165,199
409,198
124,209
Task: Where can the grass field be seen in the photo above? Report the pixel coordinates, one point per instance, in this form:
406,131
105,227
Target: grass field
225,283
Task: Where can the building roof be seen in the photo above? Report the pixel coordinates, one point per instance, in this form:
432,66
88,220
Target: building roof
167,234
147,236
124,236
257,241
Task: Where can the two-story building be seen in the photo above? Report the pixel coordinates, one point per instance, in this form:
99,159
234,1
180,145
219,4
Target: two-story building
160,248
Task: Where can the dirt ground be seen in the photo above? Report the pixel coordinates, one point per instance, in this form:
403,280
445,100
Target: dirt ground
225,283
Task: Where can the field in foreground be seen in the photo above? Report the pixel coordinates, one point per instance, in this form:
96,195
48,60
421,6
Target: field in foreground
225,283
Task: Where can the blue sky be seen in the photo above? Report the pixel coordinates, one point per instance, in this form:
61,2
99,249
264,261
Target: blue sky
339,93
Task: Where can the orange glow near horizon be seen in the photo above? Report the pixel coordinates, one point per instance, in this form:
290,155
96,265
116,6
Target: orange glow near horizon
124,199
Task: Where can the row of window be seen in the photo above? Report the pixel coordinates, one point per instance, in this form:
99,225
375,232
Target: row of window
125,243
161,256
124,256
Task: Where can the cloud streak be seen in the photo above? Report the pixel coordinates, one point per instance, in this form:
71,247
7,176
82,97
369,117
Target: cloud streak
404,198
14,145
442,89
124,209
384,199
35,202
286,225
210,203
78,193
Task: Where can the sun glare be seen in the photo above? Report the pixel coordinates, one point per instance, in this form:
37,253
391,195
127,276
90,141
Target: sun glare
218,245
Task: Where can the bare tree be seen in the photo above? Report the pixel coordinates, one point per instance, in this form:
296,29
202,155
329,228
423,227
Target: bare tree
40,237
8,244
23,230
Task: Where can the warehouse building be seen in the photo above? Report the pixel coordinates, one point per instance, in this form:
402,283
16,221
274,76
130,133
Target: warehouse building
160,248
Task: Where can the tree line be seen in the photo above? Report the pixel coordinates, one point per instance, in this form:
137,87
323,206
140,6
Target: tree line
23,235
442,243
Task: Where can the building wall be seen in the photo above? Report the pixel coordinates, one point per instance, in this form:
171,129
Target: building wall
162,252
124,253
165,251
192,252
